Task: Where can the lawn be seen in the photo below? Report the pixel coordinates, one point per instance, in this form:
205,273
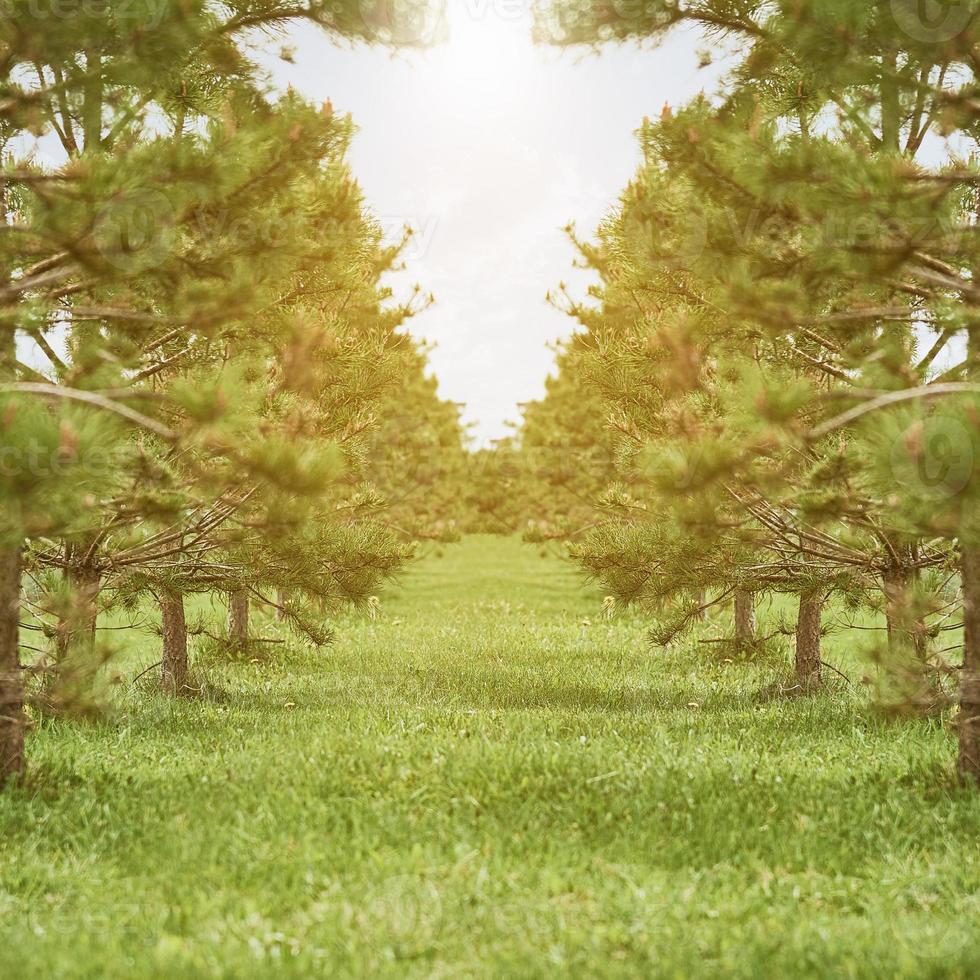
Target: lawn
491,777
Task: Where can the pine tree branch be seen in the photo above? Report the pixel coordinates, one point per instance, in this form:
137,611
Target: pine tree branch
114,313
889,399
95,400
38,337
18,287
827,369
155,369
937,348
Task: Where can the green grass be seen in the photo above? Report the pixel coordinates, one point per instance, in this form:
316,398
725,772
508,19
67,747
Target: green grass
491,778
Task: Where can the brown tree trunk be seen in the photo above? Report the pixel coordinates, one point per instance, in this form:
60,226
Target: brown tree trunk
702,602
71,689
173,669
808,641
86,582
969,718
281,599
911,684
12,719
744,617
968,722
238,617
906,632
895,583
92,106
76,632
891,107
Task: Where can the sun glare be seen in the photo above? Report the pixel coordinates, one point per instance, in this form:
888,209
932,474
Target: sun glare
487,57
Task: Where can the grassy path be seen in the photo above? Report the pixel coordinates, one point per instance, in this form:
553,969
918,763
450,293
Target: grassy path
490,779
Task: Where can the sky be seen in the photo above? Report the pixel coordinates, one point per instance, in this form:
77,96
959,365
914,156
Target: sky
488,146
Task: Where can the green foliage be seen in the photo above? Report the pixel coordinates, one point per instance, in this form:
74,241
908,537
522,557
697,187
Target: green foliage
545,480
196,347
779,284
418,458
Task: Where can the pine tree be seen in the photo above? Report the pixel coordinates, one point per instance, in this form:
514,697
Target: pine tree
417,459
569,453
193,336
827,256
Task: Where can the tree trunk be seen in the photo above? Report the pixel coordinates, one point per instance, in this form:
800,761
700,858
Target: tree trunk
281,599
808,641
702,602
76,630
72,687
891,107
238,617
12,720
92,105
173,669
86,582
968,722
969,718
910,682
906,632
744,617
895,585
